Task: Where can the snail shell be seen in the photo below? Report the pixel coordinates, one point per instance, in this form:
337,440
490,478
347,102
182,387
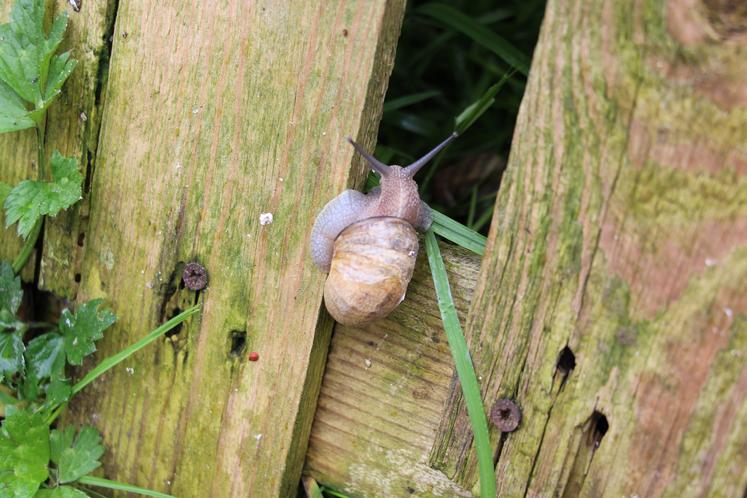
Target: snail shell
368,242
372,264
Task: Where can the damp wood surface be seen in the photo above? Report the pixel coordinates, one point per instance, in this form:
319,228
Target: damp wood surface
384,388
72,128
619,247
205,124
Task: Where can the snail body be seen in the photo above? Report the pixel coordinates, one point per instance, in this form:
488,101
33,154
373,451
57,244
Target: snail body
368,242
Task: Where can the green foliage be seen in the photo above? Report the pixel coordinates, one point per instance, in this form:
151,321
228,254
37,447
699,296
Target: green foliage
82,329
24,453
30,72
75,457
31,199
10,289
464,367
458,59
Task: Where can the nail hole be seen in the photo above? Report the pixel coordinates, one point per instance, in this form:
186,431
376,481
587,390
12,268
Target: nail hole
566,360
176,330
238,343
77,278
81,239
410,490
599,427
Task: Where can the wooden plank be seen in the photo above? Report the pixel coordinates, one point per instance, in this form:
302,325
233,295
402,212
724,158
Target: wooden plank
216,113
73,129
620,232
383,393
18,162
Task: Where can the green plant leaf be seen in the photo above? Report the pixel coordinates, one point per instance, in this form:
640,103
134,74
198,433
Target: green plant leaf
31,199
60,492
407,100
24,453
75,457
457,233
449,16
120,486
45,359
473,112
10,289
82,329
13,113
11,353
464,367
26,54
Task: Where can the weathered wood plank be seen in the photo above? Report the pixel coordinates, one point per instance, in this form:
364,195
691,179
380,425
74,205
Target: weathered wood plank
383,393
216,113
73,128
18,162
620,232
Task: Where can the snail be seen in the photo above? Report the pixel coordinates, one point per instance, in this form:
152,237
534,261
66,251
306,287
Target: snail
368,242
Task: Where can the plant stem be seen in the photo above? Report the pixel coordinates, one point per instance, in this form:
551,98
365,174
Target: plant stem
28,247
40,127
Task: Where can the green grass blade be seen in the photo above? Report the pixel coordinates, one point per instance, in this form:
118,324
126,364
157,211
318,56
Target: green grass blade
311,487
449,16
407,100
119,486
465,369
113,360
473,112
457,233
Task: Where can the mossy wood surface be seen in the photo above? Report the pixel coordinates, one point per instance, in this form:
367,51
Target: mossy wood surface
210,115
620,232
72,128
383,393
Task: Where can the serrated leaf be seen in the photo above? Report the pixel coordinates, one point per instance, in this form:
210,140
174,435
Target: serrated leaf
13,113
10,289
75,458
31,199
61,492
11,353
82,329
58,392
59,70
24,453
45,359
26,52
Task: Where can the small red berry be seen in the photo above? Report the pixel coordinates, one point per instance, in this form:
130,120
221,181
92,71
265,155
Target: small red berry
253,356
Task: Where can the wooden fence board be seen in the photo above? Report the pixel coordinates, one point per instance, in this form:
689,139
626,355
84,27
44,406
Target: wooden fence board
216,113
383,393
620,232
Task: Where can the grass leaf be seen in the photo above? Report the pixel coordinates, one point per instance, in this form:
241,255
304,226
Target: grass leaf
473,112
449,16
457,233
465,369
119,486
119,357
411,99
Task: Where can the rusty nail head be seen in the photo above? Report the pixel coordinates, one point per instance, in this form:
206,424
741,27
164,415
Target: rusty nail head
195,276
505,415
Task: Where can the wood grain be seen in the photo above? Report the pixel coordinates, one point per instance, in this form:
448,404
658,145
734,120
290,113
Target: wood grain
383,392
73,124
620,233
214,114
